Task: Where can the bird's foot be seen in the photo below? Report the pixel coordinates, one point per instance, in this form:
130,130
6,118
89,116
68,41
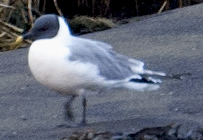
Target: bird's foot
81,124
67,125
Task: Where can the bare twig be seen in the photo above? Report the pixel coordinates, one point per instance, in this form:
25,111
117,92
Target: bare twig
8,16
7,6
180,3
93,7
136,7
2,34
162,7
57,8
23,16
44,6
9,33
168,5
30,12
107,3
14,28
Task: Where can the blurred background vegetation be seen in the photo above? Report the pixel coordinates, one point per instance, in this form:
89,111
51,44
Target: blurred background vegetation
17,16
24,12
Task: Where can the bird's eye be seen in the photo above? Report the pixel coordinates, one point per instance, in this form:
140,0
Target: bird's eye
43,29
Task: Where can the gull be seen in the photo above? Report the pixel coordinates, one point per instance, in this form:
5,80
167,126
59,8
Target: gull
73,65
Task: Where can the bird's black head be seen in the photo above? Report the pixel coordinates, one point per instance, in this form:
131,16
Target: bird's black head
45,27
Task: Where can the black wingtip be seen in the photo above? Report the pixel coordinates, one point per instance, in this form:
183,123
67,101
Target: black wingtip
149,80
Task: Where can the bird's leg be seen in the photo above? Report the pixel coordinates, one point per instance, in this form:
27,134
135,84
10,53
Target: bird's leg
84,103
68,108
69,114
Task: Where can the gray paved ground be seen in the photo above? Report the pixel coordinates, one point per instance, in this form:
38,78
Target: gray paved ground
171,42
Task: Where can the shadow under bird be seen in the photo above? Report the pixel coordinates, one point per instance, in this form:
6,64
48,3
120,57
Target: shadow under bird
72,65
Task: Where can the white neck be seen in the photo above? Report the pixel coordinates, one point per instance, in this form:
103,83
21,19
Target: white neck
64,31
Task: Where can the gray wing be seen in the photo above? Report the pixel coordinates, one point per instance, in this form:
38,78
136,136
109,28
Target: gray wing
110,64
121,58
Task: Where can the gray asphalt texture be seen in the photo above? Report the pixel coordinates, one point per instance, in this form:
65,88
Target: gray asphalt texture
171,42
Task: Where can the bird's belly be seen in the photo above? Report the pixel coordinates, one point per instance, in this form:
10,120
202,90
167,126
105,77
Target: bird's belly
54,78
53,69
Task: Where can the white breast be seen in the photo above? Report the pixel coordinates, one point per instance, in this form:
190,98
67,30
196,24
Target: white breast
49,63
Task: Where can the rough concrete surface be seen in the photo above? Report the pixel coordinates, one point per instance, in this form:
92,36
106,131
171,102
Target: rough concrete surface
170,42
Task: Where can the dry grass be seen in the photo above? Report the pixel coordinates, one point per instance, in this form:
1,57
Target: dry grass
16,15
84,24
13,12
